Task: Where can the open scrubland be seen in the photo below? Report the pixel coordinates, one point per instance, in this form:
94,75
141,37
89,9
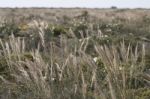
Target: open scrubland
74,53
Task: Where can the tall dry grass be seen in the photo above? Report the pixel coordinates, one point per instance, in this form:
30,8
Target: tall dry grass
68,72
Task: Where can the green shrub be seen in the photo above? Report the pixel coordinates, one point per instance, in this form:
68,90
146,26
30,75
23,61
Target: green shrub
55,31
142,93
4,68
7,28
81,30
147,61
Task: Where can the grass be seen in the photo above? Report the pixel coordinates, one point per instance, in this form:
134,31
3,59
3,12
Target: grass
71,75
46,63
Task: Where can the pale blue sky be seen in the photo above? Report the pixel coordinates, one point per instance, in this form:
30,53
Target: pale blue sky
76,3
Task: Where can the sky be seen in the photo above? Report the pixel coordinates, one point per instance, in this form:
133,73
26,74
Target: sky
76,3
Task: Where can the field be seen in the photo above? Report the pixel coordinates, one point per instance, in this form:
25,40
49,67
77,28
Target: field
74,53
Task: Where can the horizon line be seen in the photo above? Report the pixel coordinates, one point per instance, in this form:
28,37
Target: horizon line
111,7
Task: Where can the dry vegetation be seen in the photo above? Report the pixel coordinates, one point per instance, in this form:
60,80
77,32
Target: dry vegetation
74,54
